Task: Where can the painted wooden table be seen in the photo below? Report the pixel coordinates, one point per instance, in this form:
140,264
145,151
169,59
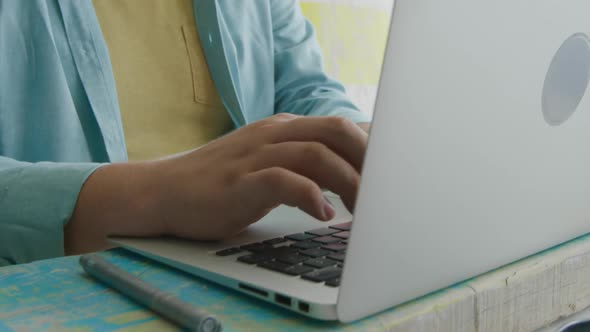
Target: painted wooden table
57,295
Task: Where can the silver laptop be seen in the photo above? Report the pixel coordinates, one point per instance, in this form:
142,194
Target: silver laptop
479,155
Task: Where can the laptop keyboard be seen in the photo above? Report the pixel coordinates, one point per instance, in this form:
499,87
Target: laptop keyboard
316,255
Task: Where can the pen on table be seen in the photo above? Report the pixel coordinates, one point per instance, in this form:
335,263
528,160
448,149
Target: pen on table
167,305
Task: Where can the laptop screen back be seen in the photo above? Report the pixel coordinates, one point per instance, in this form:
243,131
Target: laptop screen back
479,150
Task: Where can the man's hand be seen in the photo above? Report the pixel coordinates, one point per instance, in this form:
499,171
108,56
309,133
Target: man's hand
366,126
216,191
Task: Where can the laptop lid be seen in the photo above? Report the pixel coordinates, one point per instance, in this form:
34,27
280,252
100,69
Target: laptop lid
479,150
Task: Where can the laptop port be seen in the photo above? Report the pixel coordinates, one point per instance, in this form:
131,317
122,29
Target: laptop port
254,290
282,299
304,307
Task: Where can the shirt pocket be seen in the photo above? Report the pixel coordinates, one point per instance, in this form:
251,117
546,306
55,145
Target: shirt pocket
204,90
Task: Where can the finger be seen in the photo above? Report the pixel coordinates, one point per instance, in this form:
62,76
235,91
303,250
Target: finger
283,117
275,119
342,136
314,161
274,186
253,133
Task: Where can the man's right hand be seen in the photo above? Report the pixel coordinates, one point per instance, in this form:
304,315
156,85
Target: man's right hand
219,189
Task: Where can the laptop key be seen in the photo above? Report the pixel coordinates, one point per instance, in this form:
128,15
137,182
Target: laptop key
343,226
342,235
322,231
274,266
228,252
256,247
254,258
323,274
279,251
300,237
320,263
274,241
326,239
306,245
292,258
315,252
333,282
297,270
337,256
335,247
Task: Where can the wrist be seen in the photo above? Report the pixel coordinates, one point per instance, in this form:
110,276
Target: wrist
142,205
117,199
149,198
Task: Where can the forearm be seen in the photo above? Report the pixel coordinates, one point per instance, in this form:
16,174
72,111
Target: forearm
117,199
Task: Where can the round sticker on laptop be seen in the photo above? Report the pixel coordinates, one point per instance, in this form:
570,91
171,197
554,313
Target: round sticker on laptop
566,80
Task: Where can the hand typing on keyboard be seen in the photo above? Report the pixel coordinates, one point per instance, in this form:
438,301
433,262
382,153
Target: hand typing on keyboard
218,190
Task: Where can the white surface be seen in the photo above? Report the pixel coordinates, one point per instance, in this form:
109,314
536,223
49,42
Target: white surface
463,174
580,316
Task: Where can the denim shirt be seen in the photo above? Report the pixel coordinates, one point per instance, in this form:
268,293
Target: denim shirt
59,115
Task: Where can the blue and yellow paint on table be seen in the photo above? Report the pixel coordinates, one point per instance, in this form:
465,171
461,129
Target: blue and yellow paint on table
57,295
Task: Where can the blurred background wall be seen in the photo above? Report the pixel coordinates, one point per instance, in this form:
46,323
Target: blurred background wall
352,35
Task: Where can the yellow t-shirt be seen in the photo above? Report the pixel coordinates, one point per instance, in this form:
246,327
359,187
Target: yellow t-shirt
167,98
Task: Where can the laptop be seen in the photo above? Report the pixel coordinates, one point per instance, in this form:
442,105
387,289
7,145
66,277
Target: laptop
478,156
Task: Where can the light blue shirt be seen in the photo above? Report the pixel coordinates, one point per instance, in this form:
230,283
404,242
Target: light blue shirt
59,115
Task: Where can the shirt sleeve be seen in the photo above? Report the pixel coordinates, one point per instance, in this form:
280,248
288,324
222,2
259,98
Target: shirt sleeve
36,201
301,85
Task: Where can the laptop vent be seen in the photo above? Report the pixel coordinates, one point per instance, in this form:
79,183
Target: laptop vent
253,290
